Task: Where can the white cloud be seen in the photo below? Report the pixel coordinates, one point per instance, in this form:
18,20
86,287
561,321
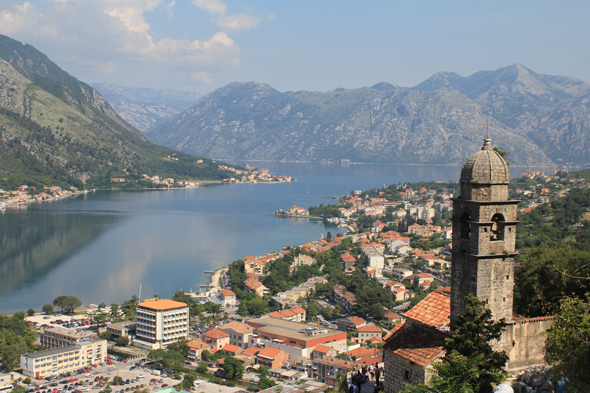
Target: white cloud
109,36
238,21
218,11
202,77
215,7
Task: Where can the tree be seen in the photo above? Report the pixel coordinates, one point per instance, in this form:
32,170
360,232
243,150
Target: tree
547,275
471,335
264,382
568,344
188,381
202,368
30,312
18,389
67,303
312,311
27,381
48,309
115,311
117,380
123,341
454,375
329,313
106,335
233,368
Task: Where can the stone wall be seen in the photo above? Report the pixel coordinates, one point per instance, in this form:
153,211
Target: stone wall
399,371
524,341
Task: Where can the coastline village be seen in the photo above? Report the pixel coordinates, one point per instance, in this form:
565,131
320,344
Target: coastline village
376,295
26,194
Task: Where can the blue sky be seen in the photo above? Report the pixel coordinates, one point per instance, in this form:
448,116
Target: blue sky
200,45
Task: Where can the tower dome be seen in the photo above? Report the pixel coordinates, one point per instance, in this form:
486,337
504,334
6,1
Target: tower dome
485,167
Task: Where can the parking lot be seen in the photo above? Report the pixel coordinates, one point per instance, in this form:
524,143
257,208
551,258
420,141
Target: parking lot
95,379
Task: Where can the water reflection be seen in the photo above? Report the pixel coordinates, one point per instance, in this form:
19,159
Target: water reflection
34,243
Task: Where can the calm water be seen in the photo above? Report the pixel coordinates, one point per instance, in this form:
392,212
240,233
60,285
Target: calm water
102,246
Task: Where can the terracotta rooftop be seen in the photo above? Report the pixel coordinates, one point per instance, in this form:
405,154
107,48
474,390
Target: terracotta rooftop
416,343
237,327
433,310
392,315
197,344
227,292
359,353
322,349
270,352
251,351
356,320
161,304
230,348
215,334
369,329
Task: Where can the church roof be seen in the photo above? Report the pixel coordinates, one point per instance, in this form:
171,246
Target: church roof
417,343
485,167
433,310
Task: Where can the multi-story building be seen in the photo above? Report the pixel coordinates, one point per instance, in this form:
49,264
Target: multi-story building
327,369
239,333
295,338
121,329
58,337
50,362
160,322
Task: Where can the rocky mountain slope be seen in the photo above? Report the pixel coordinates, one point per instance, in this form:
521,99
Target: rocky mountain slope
55,128
145,108
539,119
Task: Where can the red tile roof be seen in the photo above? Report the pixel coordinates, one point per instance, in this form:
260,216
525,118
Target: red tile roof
369,329
270,352
356,320
322,349
215,334
417,343
237,327
230,348
251,351
197,344
227,292
433,310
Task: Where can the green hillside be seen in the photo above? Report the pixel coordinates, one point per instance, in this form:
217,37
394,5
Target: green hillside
55,129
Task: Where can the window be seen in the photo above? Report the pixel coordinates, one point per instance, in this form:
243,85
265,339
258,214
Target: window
465,226
497,227
407,375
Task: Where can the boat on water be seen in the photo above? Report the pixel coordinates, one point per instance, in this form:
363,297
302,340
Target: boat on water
2,206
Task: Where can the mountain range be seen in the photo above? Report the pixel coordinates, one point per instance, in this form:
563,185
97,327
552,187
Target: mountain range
539,119
55,128
145,108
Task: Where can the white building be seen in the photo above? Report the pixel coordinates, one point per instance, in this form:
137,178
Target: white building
160,322
373,258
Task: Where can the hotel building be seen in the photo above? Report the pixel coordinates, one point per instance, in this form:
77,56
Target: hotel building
160,322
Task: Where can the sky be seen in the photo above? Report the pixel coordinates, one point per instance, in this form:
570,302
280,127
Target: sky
201,45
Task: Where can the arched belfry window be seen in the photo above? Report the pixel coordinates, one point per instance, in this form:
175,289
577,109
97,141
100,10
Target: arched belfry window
465,227
497,227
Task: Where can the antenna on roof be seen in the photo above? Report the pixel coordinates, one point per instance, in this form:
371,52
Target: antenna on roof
139,297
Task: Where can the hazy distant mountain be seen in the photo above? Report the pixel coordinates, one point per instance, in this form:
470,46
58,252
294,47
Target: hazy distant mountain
145,108
538,118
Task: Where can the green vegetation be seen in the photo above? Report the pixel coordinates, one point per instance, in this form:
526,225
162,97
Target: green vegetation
48,309
68,135
568,344
470,363
16,338
67,303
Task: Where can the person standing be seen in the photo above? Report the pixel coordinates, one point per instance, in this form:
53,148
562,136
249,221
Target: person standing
377,374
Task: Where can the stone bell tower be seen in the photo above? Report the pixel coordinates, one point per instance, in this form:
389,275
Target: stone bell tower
484,235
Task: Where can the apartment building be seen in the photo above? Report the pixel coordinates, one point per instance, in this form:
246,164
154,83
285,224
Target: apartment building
58,337
160,322
46,363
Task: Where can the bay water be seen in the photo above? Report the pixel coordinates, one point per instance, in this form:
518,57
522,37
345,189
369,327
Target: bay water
103,245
